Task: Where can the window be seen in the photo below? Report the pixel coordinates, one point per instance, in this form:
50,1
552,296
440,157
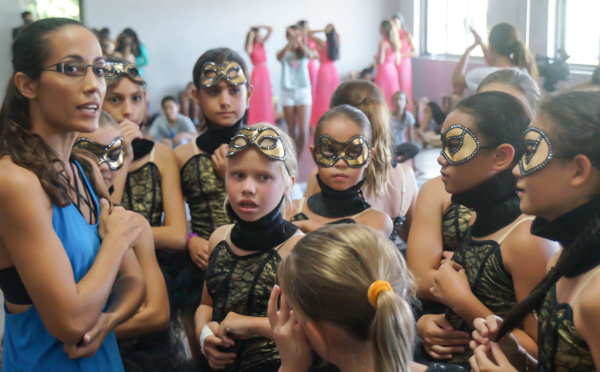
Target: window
55,8
448,23
579,30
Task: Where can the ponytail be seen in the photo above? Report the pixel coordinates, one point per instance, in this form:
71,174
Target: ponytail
392,349
522,58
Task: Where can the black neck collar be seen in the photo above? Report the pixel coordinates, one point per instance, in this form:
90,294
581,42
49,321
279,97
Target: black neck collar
331,203
215,135
576,230
266,233
141,147
495,202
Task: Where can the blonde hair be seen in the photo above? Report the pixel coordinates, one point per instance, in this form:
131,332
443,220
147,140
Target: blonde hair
288,168
392,33
327,276
368,98
106,120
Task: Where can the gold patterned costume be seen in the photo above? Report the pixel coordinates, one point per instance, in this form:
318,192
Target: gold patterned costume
243,284
143,193
561,349
455,223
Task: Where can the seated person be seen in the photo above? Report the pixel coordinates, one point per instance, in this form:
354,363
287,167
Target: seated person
189,107
403,127
172,128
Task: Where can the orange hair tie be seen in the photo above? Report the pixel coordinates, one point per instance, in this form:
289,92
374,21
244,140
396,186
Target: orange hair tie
376,288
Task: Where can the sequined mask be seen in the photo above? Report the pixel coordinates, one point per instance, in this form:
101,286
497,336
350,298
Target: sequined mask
265,139
538,151
459,144
212,72
112,155
115,70
355,152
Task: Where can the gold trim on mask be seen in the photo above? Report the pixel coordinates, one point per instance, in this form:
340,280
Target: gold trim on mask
266,139
117,69
328,151
212,72
459,144
113,154
538,151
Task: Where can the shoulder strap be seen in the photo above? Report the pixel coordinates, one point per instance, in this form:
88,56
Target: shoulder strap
298,232
358,214
514,226
582,286
403,193
301,205
152,154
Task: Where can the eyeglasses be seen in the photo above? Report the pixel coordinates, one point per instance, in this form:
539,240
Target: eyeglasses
76,68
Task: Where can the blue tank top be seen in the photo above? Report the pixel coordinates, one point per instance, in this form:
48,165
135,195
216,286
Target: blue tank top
28,346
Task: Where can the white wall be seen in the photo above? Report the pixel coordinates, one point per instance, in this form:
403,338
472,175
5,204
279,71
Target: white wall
176,34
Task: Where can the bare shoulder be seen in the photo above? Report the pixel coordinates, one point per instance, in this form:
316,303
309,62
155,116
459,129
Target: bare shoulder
433,193
218,235
290,244
377,220
521,246
163,152
17,181
183,153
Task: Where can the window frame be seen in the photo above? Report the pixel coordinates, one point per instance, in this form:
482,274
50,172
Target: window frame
560,37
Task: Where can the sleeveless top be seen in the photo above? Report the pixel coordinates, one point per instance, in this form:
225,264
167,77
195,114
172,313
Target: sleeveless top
28,346
455,223
561,349
204,193
303,217
243,284
143,192
488,279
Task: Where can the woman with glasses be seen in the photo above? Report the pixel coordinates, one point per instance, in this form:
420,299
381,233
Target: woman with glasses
63,249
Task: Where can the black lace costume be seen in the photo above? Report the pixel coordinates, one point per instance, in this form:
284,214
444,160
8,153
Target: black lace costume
560,346
497,206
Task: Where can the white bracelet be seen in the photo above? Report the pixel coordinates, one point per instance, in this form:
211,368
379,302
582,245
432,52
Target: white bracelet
206,331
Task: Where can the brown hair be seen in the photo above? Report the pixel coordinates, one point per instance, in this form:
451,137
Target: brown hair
26,149
327,277
368,98
505,40
391,32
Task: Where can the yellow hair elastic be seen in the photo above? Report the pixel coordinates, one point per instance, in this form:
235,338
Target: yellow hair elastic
376,288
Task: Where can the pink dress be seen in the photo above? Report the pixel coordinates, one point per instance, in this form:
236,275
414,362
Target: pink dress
386,77
328,80
261,103
312,69
405,70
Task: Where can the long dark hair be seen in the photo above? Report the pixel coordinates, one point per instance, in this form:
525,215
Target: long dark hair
576,119
333,44
505,39
499,118
135,46
26,149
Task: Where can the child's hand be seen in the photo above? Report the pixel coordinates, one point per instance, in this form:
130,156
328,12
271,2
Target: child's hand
486,330
198,251
289,336
129,131
439,338
450,285
216,358
234,326
218,159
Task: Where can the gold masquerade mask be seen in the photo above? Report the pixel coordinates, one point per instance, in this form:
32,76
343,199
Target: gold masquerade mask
538,151
355,151
212,72
459,144
112,155
266,139
115,70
